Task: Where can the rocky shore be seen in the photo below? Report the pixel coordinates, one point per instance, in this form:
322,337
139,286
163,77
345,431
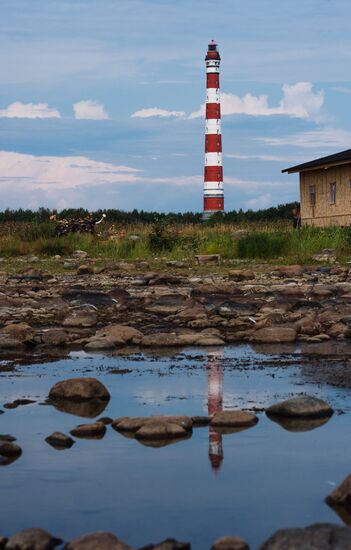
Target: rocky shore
124,305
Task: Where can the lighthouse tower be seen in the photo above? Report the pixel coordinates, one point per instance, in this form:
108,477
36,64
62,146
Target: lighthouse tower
213,186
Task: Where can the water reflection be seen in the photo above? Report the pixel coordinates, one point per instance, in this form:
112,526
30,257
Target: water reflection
215,404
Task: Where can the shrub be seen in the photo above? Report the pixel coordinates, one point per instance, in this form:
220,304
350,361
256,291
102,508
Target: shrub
51,247
263,245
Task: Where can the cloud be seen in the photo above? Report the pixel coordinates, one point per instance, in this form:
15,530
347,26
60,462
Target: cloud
89,110
156,112
29,110
259,202
53,174
298,101
324,138
269,158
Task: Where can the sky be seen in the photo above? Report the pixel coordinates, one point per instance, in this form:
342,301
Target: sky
101,101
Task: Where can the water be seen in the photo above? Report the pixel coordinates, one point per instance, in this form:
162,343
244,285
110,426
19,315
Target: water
249,483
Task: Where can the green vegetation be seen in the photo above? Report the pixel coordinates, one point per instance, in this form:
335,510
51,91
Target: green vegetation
275,242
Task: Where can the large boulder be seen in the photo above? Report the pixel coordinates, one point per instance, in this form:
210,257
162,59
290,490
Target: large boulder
130,424
320,536
114,336
233,419
97,541
79,389
58,440
161,430
96,429
19,331
9,449
302,406
274,335
80,318
32,539
342,494
230,543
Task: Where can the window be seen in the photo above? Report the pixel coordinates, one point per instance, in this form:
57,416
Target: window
332,192
312,196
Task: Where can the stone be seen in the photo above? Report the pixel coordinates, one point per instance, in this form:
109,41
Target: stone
208,259
342,494
80,254
130,424
17,402
320,536
114,336
85,269
230,543
161,430
210,341
89,430
80,318
19,331
301,406
289,271
199,421
88,296
7,437
97,541
32,539
79,389
234,419
3,541
325,255
9,449
70,265
168,544
274,334
58,440
55,337
239,275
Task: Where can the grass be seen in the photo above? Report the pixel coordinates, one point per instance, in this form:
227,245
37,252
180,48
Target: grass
277,243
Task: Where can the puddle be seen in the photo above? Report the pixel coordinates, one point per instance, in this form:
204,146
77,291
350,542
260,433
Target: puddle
248,483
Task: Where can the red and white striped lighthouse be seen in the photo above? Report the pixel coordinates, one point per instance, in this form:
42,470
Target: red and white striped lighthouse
213,186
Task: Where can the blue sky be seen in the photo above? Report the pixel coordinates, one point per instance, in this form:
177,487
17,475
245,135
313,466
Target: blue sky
100,100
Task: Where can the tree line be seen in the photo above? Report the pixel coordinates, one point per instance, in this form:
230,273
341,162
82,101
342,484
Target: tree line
274,213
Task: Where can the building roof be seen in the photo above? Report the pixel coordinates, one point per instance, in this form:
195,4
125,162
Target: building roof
339,158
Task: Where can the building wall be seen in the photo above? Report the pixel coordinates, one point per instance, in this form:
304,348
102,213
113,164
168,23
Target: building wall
324,213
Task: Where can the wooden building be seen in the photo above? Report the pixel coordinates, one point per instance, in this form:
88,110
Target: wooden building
325,190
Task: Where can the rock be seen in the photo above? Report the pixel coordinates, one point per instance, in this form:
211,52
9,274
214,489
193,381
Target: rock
81,254
161,430
130,424
293,424
80,318
199,421
342,494
59,440
19,331
79,389
274,334
106,420
3,541
88,409
7,437
17,402
241,275
168,544
70,265
32,539
85,269
89,430
325,255
32,259
230,543
176,263
302,406
97,541
113,336
88,296
55,337
234,419
210,341
208,259
320,536
9,449
8,342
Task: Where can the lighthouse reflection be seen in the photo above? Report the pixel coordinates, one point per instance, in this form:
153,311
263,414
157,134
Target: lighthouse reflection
215,404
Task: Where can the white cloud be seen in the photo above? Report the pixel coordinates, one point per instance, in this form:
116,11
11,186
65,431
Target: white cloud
53,174
29,110
156,112
270,158
298,101
324,138
89,110
261,201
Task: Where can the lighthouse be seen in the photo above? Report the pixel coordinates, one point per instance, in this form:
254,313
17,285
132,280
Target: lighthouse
213,180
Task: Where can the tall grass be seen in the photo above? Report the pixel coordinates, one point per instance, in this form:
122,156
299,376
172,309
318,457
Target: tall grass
264,242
